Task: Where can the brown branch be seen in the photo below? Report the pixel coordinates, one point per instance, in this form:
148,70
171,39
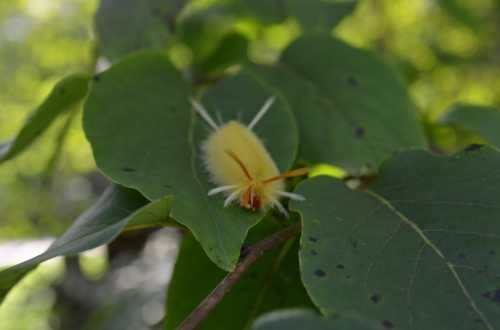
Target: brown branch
249,257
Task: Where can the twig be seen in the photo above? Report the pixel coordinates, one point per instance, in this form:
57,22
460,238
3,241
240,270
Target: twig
250,256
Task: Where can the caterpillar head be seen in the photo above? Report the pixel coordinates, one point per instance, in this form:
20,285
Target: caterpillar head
258,193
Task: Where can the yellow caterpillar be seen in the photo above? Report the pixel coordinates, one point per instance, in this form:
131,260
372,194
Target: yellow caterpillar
240,165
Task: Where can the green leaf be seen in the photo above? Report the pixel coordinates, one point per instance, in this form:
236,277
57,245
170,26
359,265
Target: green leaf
67,93
457,10
125,26
420,251
268,11
154,214
231,50
312,14
320,15
139,122
273,282
352,109
203,29
116,208
483,121
297,319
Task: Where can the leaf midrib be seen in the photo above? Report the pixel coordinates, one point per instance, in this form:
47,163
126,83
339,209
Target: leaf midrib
436,250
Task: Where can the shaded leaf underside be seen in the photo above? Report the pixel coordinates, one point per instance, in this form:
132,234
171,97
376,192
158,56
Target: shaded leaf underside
66,94
116,208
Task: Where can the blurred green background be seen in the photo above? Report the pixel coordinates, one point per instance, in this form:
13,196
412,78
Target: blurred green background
448,51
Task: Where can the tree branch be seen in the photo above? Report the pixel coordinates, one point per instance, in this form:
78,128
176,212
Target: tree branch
248,258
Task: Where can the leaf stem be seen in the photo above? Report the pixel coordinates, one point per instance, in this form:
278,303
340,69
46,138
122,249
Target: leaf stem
249,257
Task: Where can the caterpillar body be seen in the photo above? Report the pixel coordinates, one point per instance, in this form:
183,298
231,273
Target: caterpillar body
241,167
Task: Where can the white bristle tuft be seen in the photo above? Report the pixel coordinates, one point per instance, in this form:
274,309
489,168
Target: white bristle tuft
219,117
292,196
262,112
231,198
280,207
204,114
218,190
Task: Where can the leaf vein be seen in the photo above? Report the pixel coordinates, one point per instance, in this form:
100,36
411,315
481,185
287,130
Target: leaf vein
433,246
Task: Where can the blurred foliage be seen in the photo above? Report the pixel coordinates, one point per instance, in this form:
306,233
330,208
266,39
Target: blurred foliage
35,297
447,49
40,42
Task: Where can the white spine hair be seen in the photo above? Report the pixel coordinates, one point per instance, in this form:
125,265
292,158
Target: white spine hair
262,112
204,114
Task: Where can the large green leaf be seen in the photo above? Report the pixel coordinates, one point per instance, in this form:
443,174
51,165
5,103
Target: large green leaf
481,120
420,251
124,26
303,319
67,93
273,282
352,109
116,208
139,122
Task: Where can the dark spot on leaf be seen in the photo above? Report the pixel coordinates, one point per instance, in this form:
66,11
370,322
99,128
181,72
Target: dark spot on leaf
473,147
375,298
167,186
492,295
128,169
359,132
348,277
320,273
314,252
496,297
387,324
313,239
62,91
352,81
461,256
492,252
340,266
354,243
96,77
